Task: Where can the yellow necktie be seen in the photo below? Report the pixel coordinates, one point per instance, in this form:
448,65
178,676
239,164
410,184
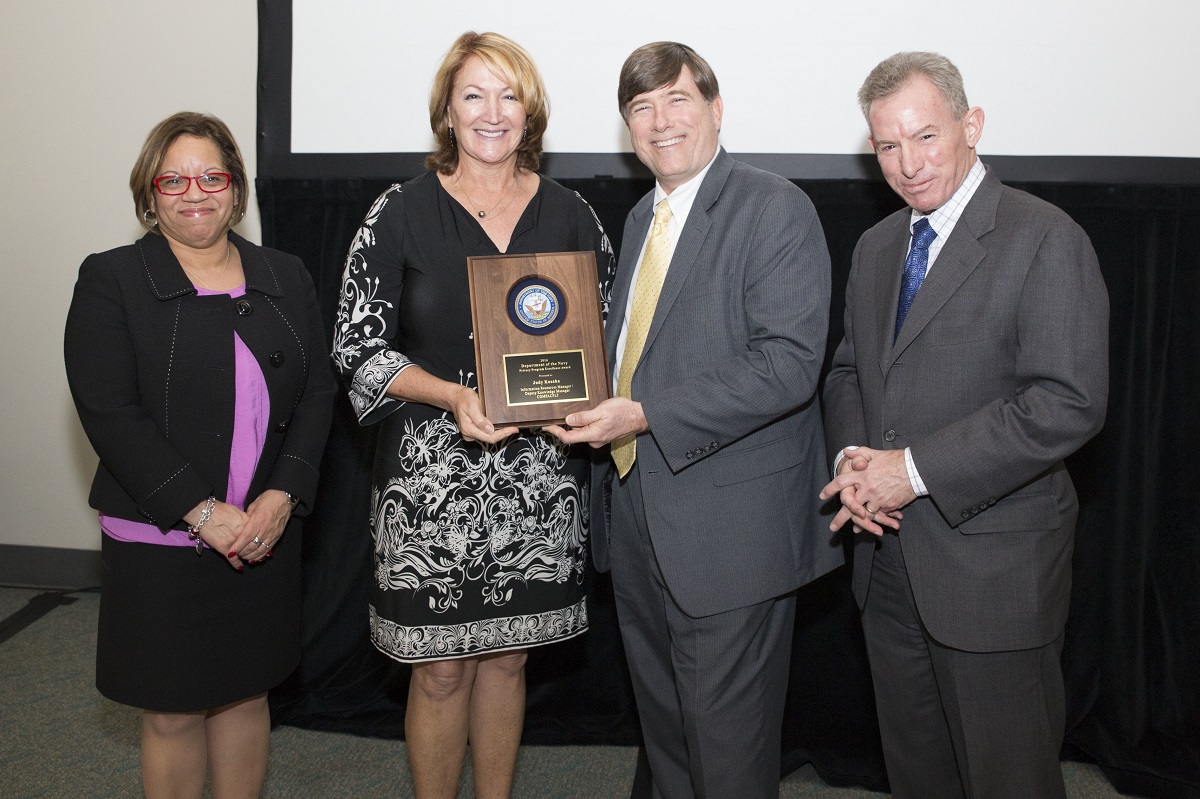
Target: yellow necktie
645,298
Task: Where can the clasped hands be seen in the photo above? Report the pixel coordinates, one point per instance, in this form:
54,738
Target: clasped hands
873,486
244,536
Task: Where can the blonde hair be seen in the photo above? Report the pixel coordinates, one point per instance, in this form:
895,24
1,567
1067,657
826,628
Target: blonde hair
503,57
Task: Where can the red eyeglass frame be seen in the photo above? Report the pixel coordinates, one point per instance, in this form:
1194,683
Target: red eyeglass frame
189,179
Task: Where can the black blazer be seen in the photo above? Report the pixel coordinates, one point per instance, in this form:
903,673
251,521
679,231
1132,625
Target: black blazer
150,365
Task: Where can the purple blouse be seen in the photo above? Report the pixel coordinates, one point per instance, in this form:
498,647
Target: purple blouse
251,411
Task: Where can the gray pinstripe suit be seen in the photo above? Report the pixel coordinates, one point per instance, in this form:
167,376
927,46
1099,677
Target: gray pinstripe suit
718,520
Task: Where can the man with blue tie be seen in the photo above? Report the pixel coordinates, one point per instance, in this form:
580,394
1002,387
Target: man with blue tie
969,370
707,509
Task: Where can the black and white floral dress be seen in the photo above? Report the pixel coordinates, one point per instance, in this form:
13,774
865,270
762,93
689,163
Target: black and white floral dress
478,548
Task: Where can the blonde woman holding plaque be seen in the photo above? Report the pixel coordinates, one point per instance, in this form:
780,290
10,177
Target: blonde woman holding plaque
480,531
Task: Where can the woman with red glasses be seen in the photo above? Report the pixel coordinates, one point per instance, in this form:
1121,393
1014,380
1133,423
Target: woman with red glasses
196,361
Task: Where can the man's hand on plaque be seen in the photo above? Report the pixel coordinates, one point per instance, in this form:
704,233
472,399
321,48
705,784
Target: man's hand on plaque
610,420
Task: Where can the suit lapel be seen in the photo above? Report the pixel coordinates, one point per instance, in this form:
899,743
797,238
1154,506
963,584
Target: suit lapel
167,278
691,240
887,285
260,275
636,227
959,257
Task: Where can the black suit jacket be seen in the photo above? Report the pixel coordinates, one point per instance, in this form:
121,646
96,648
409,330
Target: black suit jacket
150,365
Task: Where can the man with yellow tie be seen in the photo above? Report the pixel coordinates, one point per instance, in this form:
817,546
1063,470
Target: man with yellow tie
706,511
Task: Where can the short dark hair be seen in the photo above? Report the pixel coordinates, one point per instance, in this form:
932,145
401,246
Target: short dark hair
504,57
660,64
164,134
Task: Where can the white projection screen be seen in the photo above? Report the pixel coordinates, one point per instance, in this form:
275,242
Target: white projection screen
1093,91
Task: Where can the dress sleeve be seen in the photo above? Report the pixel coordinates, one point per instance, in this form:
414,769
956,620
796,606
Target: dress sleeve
367,318
593,237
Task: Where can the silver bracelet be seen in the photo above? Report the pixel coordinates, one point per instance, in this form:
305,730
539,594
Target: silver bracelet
292,500
193,530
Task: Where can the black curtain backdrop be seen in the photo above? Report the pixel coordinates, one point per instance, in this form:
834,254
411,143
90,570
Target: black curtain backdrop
1132,649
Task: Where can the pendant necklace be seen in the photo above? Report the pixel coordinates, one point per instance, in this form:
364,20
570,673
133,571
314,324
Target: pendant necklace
220,271
484,214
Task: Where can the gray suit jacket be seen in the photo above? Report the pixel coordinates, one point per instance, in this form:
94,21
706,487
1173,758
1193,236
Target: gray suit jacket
732,464
999,373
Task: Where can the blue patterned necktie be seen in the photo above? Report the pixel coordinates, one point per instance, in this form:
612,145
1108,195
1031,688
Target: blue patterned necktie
914,269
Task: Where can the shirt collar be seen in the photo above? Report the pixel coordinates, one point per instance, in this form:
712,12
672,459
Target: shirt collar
681,199
943,219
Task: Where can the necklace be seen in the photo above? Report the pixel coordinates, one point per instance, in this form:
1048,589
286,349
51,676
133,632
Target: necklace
484,214
220,271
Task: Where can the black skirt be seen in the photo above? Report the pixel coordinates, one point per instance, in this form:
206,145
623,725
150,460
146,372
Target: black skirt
180,632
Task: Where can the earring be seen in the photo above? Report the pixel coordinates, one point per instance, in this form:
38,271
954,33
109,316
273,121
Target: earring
525,136
149,218
453,141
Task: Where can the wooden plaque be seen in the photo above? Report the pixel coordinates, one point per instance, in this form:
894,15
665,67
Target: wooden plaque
539,336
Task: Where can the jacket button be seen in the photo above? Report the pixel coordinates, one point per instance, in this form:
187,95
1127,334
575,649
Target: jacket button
691,455
281,427
966,514
712,445
244,308
889,435
277,359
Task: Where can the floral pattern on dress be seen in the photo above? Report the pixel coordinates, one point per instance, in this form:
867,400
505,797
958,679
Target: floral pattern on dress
371,380
434,642
607,271
478,548
486,517
359,334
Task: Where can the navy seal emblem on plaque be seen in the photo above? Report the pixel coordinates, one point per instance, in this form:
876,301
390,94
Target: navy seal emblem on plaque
536,306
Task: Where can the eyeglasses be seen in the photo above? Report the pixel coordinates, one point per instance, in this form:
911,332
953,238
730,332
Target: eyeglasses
209,183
